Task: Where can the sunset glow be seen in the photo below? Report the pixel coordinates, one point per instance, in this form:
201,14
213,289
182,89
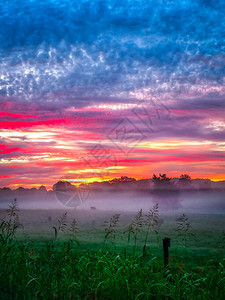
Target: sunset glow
109,96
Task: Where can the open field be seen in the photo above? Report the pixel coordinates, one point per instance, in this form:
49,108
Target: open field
36,264
208,230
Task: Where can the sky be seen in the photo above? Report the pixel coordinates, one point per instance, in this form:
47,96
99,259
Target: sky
92,90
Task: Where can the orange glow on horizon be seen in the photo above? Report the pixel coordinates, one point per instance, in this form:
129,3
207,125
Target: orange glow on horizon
95,179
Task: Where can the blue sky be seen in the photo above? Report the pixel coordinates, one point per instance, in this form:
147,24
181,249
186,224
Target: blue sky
117,46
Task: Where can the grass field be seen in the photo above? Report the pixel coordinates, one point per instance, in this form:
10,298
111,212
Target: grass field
52,257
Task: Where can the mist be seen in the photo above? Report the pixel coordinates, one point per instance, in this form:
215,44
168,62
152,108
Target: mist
126,198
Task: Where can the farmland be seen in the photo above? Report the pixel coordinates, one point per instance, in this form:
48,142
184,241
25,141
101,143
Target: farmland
96,261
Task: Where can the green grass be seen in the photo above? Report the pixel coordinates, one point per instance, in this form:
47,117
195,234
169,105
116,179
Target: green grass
35,265
62,271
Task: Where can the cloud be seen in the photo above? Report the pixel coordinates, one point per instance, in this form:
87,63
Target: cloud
70,71
80,49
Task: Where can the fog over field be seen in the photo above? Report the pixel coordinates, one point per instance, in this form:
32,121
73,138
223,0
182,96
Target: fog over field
196,196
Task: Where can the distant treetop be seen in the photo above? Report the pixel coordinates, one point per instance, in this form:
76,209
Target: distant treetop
162,178
122,179
185,177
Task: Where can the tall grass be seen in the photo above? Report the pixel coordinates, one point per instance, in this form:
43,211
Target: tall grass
152,222
184,228
110,228
134,229
62,225
10,223
74,231
65,271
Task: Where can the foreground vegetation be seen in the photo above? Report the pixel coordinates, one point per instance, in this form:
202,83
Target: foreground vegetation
62,272
65,267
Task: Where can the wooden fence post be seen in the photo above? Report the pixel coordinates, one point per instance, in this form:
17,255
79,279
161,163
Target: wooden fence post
166,245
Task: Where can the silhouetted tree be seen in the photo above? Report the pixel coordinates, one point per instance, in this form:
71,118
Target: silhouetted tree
165,192
185,178
122,179
161,179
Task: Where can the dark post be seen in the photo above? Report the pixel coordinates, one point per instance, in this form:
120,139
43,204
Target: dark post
166,245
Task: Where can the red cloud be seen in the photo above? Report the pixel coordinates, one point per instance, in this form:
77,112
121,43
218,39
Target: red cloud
16,116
